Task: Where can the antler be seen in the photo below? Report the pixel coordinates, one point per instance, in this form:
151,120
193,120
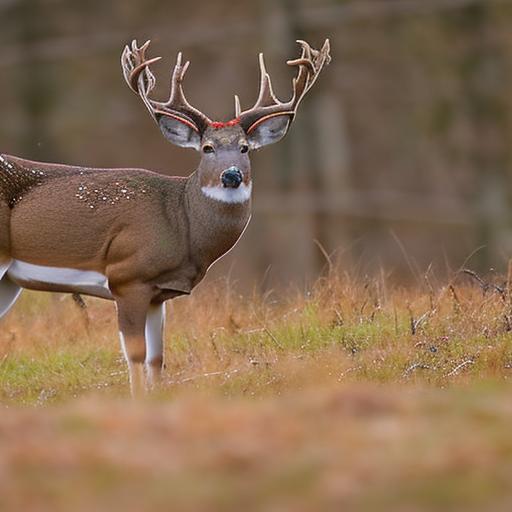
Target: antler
310,64
141,80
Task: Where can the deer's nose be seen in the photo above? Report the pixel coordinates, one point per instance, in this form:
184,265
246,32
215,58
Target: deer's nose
232,177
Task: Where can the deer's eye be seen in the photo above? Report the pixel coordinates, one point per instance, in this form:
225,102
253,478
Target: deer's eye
208,148
244,148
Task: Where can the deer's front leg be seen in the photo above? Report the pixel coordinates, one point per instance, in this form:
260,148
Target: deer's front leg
155,322
133,304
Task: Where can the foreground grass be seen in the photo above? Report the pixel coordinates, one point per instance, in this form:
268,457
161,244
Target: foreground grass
362,395
226,344
352,447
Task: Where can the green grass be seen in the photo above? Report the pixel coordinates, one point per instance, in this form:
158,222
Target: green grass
271,344
64,373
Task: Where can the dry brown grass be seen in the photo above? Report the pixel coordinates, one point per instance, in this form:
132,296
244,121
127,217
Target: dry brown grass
359,395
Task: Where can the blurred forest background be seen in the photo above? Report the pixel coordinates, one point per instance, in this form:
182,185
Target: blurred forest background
399,158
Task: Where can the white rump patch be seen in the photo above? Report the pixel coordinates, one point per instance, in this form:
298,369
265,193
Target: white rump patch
229,195
4,267
9,292
81,281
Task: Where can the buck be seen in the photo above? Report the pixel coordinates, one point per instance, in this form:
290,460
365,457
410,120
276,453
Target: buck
134,236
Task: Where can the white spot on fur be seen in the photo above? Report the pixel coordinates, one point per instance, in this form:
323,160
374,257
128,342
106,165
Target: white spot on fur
229,195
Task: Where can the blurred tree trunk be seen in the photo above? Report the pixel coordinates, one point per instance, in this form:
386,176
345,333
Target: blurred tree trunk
323,140
294,228
312,163
484,84
36,89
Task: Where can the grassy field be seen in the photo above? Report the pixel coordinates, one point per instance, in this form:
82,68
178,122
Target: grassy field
358,396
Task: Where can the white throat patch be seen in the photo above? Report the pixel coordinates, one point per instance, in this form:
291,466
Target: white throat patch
229,195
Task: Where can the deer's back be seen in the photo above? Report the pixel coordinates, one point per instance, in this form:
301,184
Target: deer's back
81,209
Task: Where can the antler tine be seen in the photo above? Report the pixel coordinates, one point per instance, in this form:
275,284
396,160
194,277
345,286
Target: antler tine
141,80
137,74
266,96
177,97
310,64
306,53
177,101
134,63
238,109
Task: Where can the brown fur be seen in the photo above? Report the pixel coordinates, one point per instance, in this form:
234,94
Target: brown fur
128,224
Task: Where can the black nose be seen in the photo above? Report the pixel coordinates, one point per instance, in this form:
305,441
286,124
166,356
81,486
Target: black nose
232,177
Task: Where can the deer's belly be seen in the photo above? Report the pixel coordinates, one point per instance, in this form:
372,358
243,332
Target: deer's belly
57,279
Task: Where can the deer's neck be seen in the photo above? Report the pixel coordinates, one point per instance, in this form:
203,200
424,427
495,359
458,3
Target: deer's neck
214,225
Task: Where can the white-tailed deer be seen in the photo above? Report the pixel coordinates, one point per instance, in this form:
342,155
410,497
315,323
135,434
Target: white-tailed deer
134,236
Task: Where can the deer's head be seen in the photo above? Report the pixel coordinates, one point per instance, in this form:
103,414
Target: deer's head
224,170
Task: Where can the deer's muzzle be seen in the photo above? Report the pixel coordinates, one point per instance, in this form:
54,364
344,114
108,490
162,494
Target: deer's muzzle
232,177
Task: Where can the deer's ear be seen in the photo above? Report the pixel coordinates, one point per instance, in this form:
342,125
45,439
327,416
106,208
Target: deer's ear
180,131
268,130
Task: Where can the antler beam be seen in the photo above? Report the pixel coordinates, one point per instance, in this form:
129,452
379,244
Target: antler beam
141,80
310,64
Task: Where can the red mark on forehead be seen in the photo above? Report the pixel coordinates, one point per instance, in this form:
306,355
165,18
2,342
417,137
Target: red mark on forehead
218,124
